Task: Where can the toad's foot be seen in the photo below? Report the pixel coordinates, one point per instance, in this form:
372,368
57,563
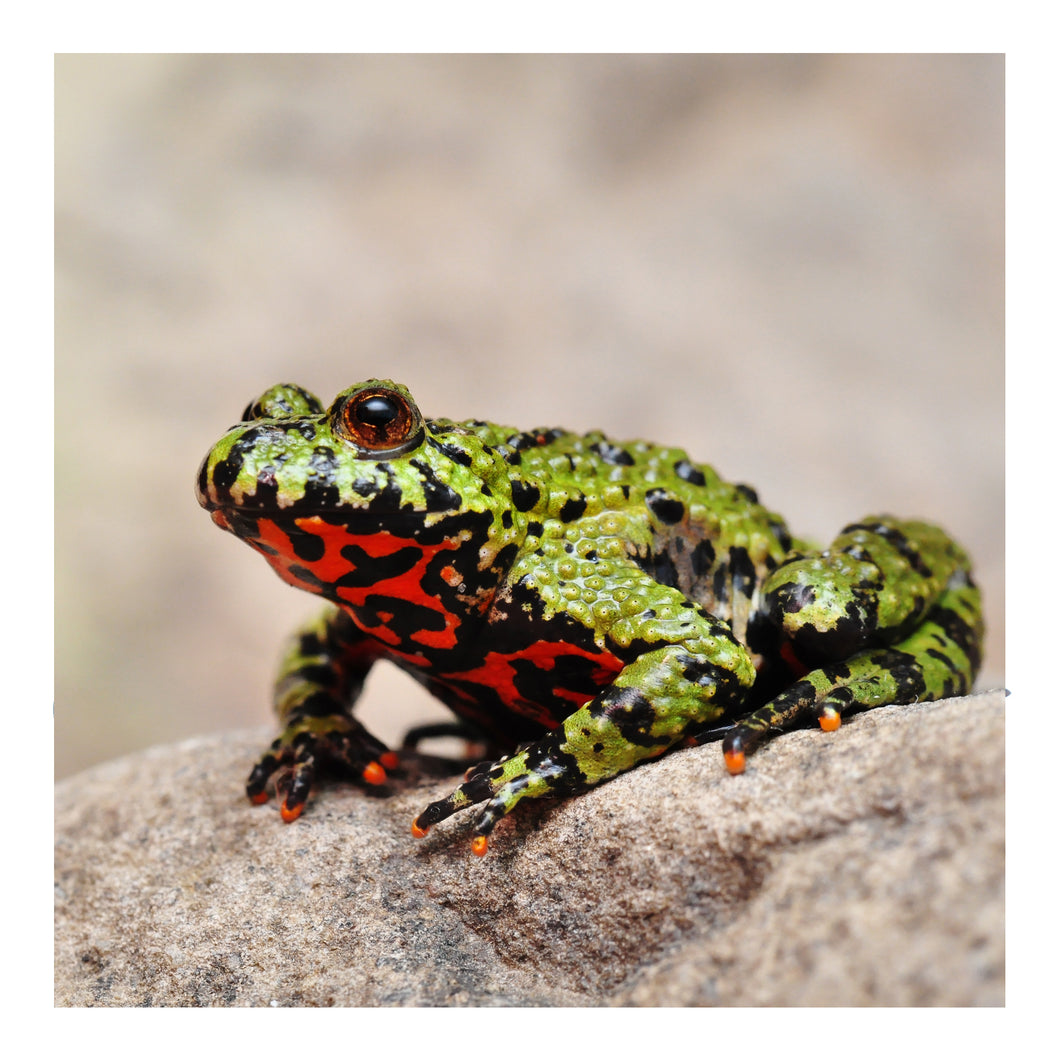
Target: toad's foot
310,745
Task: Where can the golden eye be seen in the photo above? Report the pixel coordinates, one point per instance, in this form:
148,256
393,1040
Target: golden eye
377,419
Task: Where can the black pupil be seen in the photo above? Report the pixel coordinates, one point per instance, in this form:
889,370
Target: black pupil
377,411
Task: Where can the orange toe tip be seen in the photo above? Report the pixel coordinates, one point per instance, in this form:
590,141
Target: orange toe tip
388,760
479,845
374,773
261,797
418,832
291,813
830,719
735,762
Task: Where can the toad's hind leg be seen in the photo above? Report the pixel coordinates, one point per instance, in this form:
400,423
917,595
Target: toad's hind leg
939,659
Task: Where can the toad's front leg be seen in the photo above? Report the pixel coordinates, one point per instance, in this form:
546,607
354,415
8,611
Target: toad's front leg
320,678
651,704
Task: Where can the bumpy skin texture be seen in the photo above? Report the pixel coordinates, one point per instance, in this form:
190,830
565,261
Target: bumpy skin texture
581,603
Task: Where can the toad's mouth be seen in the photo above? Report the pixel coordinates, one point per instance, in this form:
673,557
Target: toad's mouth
359,520
321,498
262,524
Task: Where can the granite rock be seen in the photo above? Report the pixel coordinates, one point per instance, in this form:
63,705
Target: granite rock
864,867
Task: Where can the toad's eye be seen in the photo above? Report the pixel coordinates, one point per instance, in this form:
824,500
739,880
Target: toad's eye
378,421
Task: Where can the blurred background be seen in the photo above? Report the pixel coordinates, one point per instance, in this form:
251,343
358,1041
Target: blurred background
791,266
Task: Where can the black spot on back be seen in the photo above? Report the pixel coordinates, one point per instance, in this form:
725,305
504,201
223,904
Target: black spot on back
666,507
611,453
524,495
690,473
573,509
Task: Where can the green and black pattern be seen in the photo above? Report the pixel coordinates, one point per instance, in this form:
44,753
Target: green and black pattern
580,604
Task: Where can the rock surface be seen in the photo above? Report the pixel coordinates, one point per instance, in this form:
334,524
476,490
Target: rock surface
860,868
